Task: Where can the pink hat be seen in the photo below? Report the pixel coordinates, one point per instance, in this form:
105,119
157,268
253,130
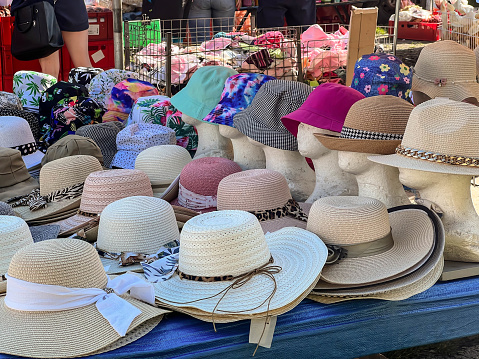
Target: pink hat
326,107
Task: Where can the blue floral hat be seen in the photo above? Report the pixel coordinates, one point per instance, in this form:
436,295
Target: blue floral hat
382,74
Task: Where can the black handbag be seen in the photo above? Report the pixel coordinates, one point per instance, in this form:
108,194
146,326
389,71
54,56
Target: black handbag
36,33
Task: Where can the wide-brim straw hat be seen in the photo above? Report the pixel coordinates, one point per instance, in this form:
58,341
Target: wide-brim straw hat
70,263
446,69
241,247
441,136
372,125
361,221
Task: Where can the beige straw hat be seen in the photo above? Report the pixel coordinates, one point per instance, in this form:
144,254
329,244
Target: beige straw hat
366,244
14,234
65,333
59,177
441,136
265,193
137,224
446,69
373,125
476,53
102,188
162,164
218,249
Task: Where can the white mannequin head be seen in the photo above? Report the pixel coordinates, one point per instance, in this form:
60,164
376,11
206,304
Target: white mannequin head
308,145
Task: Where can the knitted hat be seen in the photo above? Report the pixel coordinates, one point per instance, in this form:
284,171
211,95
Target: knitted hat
83,75
101,85
72,145
29,86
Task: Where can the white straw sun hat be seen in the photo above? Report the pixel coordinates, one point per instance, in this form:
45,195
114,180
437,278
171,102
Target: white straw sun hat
219,248
162,164
366,244
68,265
135,225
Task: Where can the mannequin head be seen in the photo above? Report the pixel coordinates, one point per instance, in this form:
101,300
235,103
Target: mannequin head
308,145
230,132
355,163
256,143
421,179
190,120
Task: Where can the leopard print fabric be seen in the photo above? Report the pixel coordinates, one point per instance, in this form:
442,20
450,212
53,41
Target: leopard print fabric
291,208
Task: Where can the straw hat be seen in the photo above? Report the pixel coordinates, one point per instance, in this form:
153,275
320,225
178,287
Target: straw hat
441,136
264,193
74,264
476,53
72,145
162,164
15,133
101,189
60,175
14,234
231,243
446,69
370,246
137,224
372,125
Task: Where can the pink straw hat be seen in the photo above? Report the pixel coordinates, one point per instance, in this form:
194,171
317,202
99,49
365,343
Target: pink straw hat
326,107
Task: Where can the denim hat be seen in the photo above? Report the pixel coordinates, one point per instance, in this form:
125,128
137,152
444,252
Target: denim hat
382,74
203,91
238,93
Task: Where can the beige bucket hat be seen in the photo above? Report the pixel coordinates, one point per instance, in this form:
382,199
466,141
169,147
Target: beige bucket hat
366,244
137,227
441,136
162,164
61,185
373,125
446,69
101,189
265,193
218,249
72,264
72,145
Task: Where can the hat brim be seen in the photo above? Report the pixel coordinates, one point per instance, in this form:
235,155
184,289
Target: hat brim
292,121
73,224
53,208
127,161
222,115
112,115
456,92
44,232
414,235
400,161
299,253
54,218
33,159
380,147
113,267
45,335
19,189
276,224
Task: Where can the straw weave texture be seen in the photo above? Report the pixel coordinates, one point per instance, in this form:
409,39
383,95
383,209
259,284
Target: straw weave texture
14,234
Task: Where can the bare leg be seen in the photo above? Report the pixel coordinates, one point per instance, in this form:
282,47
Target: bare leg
77,45
51,64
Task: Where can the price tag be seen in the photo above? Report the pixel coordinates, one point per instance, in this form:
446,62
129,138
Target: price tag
256,330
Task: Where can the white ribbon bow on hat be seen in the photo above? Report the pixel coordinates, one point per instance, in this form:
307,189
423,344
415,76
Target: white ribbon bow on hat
28,296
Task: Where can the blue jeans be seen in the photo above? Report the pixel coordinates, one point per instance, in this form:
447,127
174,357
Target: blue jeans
221,11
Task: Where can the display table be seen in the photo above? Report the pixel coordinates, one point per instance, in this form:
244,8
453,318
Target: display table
311,330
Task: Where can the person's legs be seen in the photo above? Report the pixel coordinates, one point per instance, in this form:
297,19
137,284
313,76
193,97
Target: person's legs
223,12
77,45
51,64
301,12
270,13
199,23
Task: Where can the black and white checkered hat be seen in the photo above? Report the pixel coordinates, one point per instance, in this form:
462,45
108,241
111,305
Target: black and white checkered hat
261,121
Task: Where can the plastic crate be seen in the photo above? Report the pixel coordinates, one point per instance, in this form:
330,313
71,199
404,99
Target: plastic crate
101,26
7,83
420,31
10,65
6,28
141,34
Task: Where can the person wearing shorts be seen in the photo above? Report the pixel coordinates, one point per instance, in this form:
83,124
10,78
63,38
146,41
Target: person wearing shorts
272,13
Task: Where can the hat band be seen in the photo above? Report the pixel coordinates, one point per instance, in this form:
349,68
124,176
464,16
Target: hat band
34,297
27,149
87,214
355,134
378,246
291,209
442,81
192,200
437,157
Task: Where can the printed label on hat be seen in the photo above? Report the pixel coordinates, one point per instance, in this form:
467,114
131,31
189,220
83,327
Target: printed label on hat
256,329
97,56
94,30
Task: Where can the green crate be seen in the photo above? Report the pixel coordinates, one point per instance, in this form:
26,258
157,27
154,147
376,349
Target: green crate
144,32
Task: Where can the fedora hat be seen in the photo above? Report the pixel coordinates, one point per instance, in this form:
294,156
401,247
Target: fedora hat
366,244
372,125
441,136
61,186
72,145
133,230
446,69
15,133
100,189
162,164
264,193
70,266
218,249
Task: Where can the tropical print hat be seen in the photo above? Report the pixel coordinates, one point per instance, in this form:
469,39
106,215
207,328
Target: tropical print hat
29,85
83,75
100,86
382,74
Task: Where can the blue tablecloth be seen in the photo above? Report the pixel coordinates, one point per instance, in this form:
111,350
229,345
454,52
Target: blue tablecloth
312,330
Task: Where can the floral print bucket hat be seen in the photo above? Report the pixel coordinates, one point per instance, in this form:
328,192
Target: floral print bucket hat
382,74
29,85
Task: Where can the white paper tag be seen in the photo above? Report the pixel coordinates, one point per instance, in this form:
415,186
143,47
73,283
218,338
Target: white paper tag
94,30
97,56
256,329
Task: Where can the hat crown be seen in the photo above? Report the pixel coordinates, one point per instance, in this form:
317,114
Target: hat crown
348,220
140,136
101,132
14,234
445,127
137,224
105,187
208,82
222,243
64,262
73,145
253,190
67,171
243,86
12,168
14,131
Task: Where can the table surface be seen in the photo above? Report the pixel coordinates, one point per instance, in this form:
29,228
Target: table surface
338,331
